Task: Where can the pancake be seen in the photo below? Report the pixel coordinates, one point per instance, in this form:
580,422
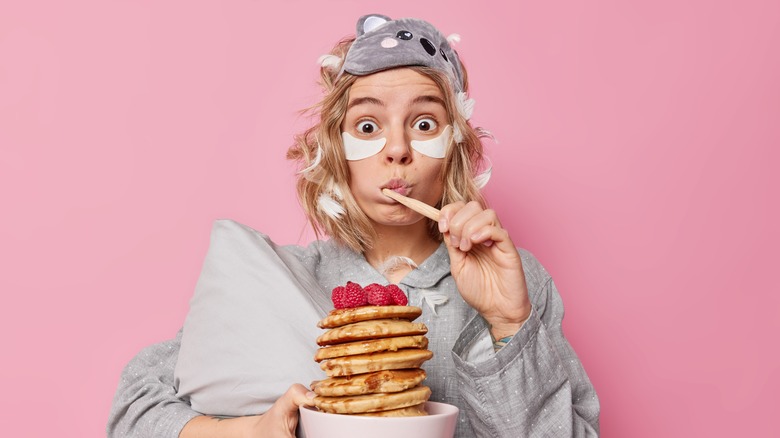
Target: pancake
366,363
369,383
380,328
370,346
411,411
340,317
360,404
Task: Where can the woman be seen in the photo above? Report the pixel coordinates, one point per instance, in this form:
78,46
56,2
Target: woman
395,115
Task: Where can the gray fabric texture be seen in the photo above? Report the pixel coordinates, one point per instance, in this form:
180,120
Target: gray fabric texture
534,387
401,43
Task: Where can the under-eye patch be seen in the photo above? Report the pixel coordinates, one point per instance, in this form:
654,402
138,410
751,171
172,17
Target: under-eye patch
357,149
435,147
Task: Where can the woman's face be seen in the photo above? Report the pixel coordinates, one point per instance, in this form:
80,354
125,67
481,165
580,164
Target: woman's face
399,106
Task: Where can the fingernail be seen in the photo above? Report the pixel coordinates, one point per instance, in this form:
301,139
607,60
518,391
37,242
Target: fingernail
443,224
488,243
454,241
311,394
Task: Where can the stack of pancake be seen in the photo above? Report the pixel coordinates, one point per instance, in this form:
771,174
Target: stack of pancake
372,357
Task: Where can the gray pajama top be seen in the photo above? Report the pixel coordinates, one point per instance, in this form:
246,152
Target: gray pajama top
535,386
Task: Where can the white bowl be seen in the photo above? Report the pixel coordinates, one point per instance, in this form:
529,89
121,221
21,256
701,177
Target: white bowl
439,423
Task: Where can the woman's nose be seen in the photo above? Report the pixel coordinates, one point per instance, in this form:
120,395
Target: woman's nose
398,148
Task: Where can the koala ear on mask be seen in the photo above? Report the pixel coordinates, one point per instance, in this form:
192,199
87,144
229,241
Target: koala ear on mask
371,22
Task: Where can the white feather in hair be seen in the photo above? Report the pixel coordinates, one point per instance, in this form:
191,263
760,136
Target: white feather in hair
329,206
317,159
482,179
332,62
465,105
484,133
332,187
457,134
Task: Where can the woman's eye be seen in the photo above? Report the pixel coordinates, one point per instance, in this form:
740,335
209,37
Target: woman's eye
425,125
367,127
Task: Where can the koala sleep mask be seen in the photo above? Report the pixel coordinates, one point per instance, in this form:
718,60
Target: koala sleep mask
383,43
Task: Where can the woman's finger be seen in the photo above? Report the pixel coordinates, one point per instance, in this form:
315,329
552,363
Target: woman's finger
479,229
299,395
458,220
446,213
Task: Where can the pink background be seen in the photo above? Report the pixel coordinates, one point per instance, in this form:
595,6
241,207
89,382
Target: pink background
636,157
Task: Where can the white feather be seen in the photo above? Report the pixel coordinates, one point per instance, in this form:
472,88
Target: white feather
484,133
329,206
332,187
457,134
432,299
393,262
482,179
465,105
453,39
314,163
329,61
337,192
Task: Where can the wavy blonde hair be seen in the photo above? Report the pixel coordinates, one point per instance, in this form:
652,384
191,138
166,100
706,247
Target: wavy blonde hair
330,176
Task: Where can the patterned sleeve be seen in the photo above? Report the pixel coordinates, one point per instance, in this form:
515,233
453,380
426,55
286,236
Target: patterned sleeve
533,386
145,403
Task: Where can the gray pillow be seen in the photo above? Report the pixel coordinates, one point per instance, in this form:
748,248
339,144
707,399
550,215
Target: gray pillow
251,329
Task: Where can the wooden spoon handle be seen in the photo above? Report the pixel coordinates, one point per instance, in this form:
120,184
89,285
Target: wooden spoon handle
418,206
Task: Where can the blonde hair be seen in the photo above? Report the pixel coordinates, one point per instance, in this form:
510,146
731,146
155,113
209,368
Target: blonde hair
330,176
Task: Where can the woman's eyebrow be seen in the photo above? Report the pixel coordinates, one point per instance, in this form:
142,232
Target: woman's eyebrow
429,98
365,100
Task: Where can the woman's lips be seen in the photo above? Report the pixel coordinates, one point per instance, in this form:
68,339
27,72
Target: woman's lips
397,185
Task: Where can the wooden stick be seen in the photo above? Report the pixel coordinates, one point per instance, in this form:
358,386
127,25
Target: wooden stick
418,206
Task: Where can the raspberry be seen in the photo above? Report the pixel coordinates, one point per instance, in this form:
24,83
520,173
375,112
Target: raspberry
337,296
399,297
378,295
353,296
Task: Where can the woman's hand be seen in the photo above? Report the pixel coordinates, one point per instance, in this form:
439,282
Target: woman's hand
282,419
279,422
486,266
